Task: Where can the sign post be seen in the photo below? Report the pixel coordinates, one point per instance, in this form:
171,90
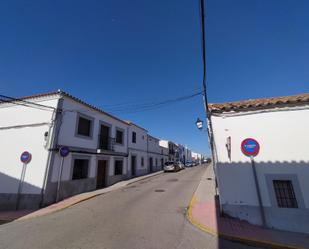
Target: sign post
251,148
25,158
64,152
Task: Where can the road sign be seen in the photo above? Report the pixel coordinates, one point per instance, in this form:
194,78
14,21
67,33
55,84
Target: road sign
25,157
64,151
250,147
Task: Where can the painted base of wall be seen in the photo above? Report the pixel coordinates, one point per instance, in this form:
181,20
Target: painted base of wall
68,189
288,219
27,201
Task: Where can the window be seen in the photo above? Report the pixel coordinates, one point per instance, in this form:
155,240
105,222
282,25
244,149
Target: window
84,126
80,169
156,161
119,137
118,167
134,137
142,161
285,194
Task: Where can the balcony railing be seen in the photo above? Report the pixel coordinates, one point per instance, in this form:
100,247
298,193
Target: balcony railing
106,143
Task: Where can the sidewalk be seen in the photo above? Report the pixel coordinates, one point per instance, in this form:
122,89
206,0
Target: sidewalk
6,216
204,214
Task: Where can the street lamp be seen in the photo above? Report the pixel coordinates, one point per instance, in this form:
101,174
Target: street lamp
199,124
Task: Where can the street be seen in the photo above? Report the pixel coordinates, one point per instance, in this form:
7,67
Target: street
149,214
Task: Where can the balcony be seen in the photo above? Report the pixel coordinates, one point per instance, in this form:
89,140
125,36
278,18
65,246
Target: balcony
106,143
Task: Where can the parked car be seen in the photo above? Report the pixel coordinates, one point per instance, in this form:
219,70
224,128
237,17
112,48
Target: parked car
181,165
171,166
189,164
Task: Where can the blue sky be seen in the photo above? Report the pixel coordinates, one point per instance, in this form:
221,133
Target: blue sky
108,52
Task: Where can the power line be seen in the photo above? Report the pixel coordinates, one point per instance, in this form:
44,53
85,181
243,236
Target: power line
202,12
137,103
153,105
8,99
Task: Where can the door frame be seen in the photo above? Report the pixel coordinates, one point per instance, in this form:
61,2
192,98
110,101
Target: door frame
106,177
135,166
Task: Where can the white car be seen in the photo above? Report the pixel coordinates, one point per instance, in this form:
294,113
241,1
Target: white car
171,167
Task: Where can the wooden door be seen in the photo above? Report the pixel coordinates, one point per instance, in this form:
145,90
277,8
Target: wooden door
101,174
133,165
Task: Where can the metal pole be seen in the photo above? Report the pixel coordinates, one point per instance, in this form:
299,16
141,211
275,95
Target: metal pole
59,179
257,187
20,186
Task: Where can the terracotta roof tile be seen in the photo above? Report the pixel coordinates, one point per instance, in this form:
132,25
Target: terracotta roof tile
265,103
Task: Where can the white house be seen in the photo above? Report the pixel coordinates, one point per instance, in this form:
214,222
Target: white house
173,154
197,157
41,124
138,155
188,155
155,156
280,125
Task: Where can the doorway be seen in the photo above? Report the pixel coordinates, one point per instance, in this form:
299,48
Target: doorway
104,137
101,174
133,165
150,164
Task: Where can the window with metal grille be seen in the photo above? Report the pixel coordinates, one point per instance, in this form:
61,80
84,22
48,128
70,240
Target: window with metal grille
80,169
285,194
118,167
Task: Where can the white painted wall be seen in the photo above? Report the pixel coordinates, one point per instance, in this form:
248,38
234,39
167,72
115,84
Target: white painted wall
283,136
15,140
153,145
67,132
141,138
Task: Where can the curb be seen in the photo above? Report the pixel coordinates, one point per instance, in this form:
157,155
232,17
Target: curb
86,198
243,240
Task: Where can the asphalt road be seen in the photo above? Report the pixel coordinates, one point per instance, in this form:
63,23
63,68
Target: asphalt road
149,214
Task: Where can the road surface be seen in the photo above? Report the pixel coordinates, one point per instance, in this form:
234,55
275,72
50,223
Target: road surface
149,214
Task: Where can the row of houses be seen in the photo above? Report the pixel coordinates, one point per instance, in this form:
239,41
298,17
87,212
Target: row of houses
103,150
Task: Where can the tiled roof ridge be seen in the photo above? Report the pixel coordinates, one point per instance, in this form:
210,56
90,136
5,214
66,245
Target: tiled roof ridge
63,93
259,103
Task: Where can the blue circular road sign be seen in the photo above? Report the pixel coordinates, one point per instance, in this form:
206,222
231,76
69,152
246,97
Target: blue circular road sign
64,151
25,157
250,147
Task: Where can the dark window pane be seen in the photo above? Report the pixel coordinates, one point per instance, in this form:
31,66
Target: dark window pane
133,137
285,194
84,127
118,167
142,161
119,137
80,169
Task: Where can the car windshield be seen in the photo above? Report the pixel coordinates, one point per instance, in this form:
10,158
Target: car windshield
169,163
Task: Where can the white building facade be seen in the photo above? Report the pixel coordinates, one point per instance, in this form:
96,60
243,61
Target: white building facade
97,142
155,156
280,125
138,155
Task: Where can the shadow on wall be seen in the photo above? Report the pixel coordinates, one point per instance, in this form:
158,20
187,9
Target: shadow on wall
282,186
30,196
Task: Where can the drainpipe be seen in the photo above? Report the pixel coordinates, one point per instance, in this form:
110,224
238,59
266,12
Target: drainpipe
54,131
128,153
147,155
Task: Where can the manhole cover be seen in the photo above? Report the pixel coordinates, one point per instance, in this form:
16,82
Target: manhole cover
209,178
159,190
